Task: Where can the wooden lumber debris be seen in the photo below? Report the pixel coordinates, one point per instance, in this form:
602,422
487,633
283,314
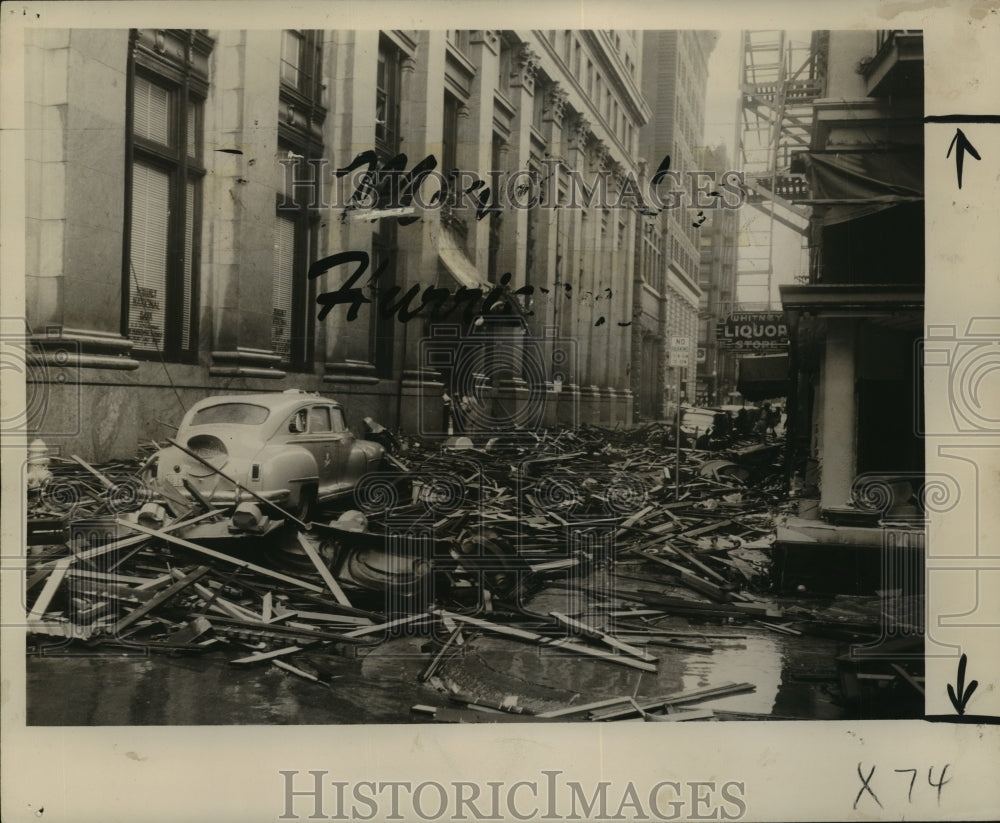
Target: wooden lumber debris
309,547
187,544
591,513
160,599
259,656
561,643
432,667
614,642
677,699
52,584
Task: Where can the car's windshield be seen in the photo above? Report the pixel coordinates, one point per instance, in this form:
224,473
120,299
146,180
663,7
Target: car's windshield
244,414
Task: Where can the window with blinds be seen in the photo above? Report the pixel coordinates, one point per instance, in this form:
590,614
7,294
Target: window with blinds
168,83
150,237
151,111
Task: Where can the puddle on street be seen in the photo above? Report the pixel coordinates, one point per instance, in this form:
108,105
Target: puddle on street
116,689
794,676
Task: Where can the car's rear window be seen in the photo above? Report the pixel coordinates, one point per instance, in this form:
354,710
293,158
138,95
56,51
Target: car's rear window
245,414
700,419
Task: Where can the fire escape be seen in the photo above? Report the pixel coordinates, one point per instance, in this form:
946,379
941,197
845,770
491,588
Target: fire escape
781,75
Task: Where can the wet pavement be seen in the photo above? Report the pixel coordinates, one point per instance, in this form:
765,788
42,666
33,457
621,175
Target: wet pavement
795,677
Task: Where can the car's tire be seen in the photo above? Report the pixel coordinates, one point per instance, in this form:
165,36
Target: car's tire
305,510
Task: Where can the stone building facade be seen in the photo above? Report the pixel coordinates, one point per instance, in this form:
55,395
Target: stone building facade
184,185
199,213
667,295
717,279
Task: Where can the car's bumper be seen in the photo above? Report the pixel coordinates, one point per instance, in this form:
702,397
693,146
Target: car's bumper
225,497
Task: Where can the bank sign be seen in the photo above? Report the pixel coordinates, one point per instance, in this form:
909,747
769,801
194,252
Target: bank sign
753,331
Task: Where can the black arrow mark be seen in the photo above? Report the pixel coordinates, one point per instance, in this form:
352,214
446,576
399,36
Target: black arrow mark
959,699
963,146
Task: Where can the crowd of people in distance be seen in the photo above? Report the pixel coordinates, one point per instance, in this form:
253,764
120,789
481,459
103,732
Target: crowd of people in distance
763,422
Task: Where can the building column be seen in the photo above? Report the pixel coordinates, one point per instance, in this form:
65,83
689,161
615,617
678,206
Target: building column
346,352
239,265
422,128
75,210
475,135
839,423
514,231
573,265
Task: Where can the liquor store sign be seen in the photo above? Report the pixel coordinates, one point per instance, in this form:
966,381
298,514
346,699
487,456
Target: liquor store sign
753,331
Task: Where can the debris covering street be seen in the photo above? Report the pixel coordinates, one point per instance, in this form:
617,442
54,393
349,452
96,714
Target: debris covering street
566,576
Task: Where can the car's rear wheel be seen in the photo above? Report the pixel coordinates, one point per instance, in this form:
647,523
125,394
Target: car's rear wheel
305,509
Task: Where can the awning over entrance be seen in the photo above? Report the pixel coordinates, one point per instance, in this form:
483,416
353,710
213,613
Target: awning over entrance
763,377
457,263
848,185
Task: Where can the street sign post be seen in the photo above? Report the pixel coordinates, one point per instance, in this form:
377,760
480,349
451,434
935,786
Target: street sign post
679,358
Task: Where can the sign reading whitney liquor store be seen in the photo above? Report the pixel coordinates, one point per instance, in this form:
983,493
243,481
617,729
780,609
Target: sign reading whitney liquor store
753,331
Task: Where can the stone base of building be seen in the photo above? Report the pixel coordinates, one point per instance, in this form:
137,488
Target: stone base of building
95,414
813,557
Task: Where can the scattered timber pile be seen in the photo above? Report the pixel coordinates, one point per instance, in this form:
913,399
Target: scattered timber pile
608,514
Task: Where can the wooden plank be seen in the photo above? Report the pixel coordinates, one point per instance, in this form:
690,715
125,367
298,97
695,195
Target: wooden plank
216,601
55,579
321,617
153,583
243,564
711,527
265,608
679,698
541,640
585,707
614,642
509,631
658,640
125,542
426,674
104,480
554,565
143,583
394,461
288,667
256,658
907,677
309,547
637,517
58,628
402,621
160,599
691,580
230,625
694,561
680,717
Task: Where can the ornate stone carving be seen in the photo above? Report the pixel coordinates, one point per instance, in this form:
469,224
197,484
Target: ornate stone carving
601,156
555,104
579,131
523,67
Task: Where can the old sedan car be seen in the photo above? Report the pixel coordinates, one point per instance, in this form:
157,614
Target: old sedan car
292,449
